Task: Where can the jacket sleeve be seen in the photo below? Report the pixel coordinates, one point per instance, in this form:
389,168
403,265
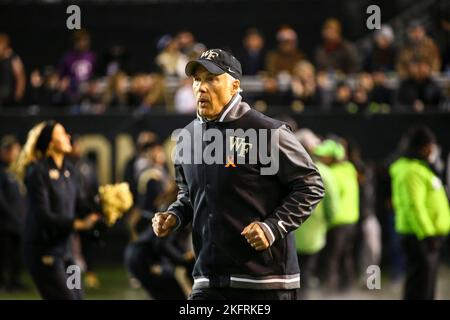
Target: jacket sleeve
40,200
415,197
182,207
300,176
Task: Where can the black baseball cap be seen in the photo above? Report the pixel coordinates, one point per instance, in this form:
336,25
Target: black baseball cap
216,61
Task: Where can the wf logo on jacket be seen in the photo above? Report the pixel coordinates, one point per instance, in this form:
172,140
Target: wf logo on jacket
213,146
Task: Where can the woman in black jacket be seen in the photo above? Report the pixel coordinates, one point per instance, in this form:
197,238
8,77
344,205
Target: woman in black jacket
51,184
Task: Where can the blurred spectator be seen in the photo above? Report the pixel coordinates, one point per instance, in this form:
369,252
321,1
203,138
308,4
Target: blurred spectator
253,54
138,89
304,85
326,88
170,59
155,262
12,214
365,81
184,97
419,92
368,238
311,236
138,162
91,99
188,46
382,54
381,93
87,175
422,213
342,224
147,177
150,259
285,57
78,64
360,100
336,53
342,98
443,40
114,60
86,241
156,96
362,95
47,89
147,91
274,95
12,74
154,179
418,47
116,93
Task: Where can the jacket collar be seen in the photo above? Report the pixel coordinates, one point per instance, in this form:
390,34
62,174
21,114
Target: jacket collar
232,111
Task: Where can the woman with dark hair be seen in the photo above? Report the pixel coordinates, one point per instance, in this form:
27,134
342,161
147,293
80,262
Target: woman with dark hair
51,184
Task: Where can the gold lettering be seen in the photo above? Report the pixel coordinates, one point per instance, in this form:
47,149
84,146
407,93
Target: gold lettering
124,152
102,148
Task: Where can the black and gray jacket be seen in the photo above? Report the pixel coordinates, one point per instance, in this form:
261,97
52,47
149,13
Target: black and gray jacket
221,199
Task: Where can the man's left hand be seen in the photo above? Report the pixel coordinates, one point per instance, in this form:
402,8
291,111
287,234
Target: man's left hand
256,237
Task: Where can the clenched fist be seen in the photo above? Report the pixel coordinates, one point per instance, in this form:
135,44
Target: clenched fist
163,223
256,237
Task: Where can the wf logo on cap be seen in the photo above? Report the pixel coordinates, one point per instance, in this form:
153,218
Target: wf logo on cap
210,54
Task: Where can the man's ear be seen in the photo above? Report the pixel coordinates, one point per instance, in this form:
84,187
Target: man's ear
236,86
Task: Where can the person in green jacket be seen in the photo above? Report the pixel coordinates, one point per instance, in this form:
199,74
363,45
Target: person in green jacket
339,267
311,236
422,214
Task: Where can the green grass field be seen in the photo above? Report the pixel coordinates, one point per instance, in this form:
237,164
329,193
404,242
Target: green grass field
115,286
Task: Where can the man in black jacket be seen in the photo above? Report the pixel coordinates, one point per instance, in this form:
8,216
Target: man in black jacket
242,210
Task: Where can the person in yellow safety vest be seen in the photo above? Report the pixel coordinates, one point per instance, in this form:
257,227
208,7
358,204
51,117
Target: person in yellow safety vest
311,236
422,214
339,267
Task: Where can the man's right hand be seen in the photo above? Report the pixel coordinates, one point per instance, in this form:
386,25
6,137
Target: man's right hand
163,223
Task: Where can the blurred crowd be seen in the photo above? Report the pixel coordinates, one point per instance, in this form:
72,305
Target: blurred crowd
392,74
375,215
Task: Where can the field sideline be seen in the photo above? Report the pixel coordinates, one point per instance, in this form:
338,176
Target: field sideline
115,286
